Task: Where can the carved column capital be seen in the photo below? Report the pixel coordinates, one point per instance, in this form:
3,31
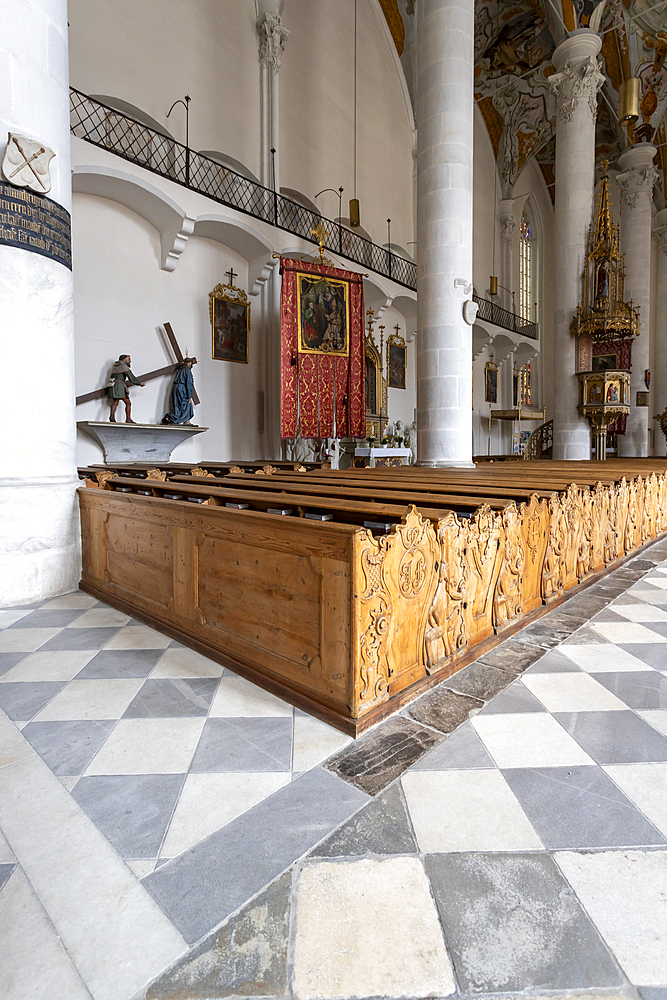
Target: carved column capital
507,227
577,81
272,38
635,182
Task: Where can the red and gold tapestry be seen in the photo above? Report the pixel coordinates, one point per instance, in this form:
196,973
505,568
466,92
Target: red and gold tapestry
322,365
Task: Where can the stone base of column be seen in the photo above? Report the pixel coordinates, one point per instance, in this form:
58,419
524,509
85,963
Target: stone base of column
572,445
634,443
40,553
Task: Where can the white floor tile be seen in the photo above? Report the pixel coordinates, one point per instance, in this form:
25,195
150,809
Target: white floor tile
148,746
603,658
466,811
237,697
138,637
8,618
25,640
55,665
646,786
91,699
210,801
626,632
114,931
639,612
572,692
141,866
70,602
100,617
13,746
656,580
6,854
346,943
314,741
642,593
175,663
68,783
625,894
656,718
34,964
528,740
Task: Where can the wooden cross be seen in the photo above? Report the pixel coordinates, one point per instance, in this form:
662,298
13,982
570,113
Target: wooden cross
167,370
232,274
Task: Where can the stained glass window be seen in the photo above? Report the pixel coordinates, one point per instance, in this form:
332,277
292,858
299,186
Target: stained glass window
525,269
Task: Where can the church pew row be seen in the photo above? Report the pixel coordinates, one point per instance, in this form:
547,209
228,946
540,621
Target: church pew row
348,622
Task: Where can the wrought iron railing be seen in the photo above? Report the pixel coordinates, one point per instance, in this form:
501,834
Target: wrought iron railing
118,133
541,441
495,314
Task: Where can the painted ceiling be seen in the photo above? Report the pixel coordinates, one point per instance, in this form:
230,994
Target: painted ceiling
514,43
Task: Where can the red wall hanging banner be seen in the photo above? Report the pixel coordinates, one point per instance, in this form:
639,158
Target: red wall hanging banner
322,364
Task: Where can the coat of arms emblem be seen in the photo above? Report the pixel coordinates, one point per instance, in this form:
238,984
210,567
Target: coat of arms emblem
26,163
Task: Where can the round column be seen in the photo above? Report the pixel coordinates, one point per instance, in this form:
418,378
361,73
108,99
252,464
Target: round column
659,384
575,85
444,232
39,521
636,180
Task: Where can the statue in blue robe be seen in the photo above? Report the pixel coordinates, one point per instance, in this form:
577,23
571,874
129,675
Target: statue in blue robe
182,391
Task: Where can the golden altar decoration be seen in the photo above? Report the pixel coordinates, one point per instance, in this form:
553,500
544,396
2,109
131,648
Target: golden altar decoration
604,396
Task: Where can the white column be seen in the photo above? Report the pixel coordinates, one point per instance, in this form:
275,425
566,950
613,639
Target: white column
272,38
444,232
507,227
575,84
659,383
636,183
39,522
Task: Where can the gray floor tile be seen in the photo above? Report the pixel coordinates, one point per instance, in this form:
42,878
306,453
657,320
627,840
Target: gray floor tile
173,644
9,660
653,992
615,737
383,754
547,634
246,957
443,710
659,627
480,681
512,923
114,663
513,656
638,689
382,827
131,810
240,744
462,750
579,808
554,662
48,618
182,698
67,747
517,698
609,616
5,872
654,654
80,638
202,887
583,636
21,700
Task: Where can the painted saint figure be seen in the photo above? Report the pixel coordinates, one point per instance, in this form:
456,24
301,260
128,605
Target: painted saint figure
181,395
117,386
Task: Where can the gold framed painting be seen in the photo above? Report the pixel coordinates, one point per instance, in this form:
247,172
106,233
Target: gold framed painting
230,323
490,382
323,315
397,352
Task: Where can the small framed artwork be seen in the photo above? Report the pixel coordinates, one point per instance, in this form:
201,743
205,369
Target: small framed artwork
396,361
490,382
605,362
230,323
642,399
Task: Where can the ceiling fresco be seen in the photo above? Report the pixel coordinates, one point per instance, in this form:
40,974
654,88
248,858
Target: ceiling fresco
514,43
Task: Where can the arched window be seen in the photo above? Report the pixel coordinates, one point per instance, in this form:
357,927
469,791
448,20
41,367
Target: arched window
526,268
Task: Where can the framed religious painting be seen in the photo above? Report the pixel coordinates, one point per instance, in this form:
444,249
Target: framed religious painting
605,362
323,315
396,361
230,323
490,382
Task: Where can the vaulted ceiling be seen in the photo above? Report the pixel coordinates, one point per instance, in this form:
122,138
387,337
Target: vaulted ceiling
514,43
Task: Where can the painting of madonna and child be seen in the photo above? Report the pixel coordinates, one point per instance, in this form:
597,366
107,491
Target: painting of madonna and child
323,315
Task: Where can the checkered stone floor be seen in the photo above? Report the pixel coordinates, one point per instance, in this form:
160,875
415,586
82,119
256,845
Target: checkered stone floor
170,830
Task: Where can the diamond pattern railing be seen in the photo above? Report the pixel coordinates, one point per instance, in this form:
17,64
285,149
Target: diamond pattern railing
109,129
495,314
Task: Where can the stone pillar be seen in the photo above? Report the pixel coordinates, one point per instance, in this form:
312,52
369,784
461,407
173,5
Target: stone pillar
39,522
575,85
272,38
659,383
444,232
636,180
507,228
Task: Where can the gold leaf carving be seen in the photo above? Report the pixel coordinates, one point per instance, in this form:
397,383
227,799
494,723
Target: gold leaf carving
103,478
158,474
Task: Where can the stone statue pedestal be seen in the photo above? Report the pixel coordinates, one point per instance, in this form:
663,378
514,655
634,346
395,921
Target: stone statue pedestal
125,443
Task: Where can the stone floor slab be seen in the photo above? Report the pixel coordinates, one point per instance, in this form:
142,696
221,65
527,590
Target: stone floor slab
443,709
67,747
381,827
463,749
615,737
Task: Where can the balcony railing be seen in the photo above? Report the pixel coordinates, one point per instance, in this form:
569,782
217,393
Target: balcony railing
495,314
118,133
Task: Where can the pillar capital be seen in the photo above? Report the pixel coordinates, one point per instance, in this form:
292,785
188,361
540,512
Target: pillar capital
638,174
578,76
272,38
507,220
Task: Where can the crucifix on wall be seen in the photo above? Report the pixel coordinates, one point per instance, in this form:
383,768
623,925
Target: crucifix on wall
167,370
